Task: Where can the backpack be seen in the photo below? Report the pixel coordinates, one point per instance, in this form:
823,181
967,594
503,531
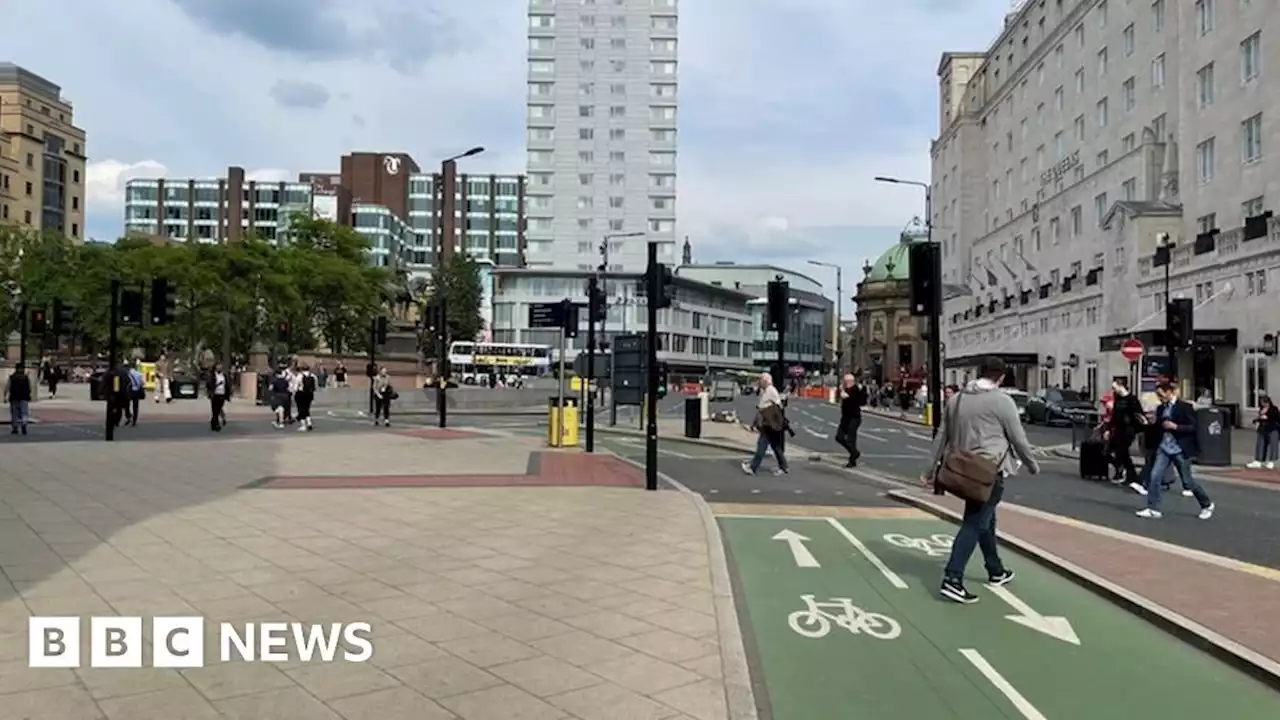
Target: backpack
280,384
309,384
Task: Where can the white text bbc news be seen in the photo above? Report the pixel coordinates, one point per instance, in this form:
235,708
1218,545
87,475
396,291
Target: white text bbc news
179,642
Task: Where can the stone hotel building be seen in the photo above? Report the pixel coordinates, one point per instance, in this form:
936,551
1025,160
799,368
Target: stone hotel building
1086,133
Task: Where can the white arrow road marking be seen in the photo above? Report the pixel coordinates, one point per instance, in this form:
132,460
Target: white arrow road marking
796,541
1028,710
814,433
1053,626
871,557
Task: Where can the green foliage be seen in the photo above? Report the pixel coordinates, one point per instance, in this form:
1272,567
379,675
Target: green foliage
319,282
457,282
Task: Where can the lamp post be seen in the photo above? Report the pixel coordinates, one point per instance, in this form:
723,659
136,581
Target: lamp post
602,280
935,307
1164,248
835,321
444,252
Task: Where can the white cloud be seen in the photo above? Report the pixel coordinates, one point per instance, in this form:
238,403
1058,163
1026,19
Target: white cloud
105,180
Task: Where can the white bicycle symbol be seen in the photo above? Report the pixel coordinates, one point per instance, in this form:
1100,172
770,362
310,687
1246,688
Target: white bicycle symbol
815,621
934,545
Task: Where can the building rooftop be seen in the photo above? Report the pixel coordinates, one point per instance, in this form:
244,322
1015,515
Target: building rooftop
11,74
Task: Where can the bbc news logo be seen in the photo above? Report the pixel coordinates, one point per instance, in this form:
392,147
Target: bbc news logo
179,642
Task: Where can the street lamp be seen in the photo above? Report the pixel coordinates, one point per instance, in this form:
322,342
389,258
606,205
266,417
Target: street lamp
448,229
835,321
935,307
1164,249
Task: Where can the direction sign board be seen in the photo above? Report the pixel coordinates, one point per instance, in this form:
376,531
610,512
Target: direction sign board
545,315
1132,349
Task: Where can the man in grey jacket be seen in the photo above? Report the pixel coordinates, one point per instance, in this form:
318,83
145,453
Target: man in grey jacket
982,419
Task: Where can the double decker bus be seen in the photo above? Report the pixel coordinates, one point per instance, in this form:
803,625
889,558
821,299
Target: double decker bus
470,361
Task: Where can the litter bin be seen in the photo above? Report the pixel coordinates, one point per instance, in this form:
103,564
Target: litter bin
562,422
693,417
1213,431
97,393
184,388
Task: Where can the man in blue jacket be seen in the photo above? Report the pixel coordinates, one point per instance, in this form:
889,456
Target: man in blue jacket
1176,419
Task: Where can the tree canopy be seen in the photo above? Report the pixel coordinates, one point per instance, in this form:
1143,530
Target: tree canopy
457,283
319,283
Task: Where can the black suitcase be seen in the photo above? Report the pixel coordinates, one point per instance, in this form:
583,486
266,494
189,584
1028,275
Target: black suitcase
1094,462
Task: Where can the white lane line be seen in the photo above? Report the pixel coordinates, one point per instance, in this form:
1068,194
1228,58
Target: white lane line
1023,706
872,436
918,436
871,557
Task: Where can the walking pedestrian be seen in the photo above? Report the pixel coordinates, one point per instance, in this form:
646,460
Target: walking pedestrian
770,425
340,375
304,396
164,375
54,377
280,396
853,396
1121,429
218,390
383,394
17,393
137,391
1267,447
980,421
1178,444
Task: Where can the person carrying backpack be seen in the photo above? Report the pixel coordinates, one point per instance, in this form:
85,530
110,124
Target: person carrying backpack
303,397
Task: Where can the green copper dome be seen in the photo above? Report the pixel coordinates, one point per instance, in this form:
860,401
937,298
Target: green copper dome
894,264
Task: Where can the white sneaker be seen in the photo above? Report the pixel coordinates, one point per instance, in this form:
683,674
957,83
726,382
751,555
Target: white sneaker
1271,466
1149,513
779,471
1206,513
1255,465
303,427
277,425
746,468
1187,493
1138,488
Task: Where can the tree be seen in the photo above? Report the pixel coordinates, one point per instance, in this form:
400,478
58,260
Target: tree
457,283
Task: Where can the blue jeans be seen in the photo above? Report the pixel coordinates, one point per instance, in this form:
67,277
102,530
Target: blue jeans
18,413
764,440
978,529
1267,447
1159,465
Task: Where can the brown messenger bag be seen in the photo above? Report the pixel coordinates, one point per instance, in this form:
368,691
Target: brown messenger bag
965,474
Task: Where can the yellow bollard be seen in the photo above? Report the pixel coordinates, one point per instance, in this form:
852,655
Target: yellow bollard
553,424
569,423
928,414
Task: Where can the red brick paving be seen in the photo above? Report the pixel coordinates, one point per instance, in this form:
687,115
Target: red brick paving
439,434
1260,476
1236,604
555,469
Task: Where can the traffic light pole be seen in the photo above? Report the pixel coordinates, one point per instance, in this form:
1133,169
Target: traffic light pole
442,362
23,321
373,365
593,303
109,380
654,291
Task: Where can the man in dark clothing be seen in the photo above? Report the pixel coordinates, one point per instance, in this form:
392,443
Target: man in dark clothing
17,393
1126,422
853,396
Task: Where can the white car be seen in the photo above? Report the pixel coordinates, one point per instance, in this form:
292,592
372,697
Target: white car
1020,399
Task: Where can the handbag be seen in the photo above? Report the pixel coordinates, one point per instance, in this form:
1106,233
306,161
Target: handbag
965,474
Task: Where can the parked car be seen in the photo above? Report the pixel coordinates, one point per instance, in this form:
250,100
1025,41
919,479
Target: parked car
1057,407
1021,399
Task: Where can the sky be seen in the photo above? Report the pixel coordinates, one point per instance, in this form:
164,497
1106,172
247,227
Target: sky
788,108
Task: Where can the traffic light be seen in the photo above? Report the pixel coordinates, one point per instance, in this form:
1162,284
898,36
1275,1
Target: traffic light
432,318
282,331
131,308
380,330
1178,323
779,297
64,318
36,324
660,286
163,302
597,310
922,264
662,380
570,319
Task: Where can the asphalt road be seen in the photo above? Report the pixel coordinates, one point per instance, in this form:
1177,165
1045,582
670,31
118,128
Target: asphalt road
1246,525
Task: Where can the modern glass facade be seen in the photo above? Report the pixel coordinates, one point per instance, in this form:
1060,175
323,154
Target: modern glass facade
490,213
202,209
391,239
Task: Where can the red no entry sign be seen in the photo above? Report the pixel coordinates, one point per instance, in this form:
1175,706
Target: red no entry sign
1132,349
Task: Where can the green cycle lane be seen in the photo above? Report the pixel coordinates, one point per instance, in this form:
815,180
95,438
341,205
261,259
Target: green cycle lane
843,621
